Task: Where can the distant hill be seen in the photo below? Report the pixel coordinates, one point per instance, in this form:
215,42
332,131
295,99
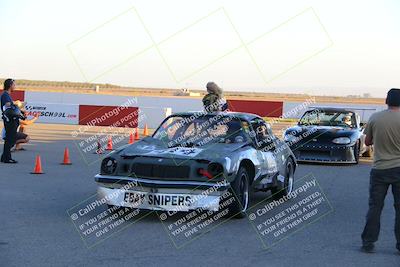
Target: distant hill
78,87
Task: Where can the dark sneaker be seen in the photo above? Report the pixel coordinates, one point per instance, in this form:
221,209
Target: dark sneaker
368,248
10,161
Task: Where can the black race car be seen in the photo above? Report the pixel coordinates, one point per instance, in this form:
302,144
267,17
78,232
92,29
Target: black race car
328,135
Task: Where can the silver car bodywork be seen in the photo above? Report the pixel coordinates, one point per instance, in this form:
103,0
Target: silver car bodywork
168,178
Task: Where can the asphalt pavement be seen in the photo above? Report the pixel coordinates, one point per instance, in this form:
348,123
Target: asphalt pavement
37,230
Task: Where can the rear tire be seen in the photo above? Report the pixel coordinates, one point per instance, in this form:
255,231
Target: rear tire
368,152
288,183
356,152
240,189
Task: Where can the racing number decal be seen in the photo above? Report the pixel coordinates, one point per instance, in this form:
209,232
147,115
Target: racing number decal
179,151
184,151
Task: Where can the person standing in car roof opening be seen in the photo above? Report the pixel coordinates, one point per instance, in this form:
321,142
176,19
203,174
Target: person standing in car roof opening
383,131
214,100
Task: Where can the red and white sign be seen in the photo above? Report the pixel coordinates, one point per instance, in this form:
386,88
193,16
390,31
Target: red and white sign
261,108
54,113
116,116
16,95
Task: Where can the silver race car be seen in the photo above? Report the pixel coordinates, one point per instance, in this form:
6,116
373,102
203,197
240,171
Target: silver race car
193,159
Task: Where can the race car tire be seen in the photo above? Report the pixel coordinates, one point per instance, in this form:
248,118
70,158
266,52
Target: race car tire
240,188
277,192
356,148
368,153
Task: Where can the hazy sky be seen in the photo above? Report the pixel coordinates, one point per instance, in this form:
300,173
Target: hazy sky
321,47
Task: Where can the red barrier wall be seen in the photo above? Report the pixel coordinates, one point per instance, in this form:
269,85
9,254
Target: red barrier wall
108,116
261,108
16,95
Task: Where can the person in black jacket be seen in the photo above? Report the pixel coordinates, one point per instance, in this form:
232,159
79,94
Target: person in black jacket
11,116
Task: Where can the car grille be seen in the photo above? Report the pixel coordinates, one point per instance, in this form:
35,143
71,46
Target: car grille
312,155
146,170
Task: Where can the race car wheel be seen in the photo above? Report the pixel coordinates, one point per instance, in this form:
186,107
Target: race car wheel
356,152
288,183
368,152
240,188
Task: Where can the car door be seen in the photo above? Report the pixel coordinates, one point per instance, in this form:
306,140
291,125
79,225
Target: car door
265,147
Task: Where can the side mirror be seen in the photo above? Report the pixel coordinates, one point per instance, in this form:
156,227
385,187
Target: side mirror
252,144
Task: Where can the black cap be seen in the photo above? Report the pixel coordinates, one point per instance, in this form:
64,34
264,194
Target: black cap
8,83
393,97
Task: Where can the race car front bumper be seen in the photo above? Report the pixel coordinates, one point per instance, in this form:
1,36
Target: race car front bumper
159,194
325,153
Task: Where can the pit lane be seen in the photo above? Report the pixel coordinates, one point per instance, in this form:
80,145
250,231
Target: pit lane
37,230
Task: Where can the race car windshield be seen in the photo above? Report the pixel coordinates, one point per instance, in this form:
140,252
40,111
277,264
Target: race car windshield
328,118
198,131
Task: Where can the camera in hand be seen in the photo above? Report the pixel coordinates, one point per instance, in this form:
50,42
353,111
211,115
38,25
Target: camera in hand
14,113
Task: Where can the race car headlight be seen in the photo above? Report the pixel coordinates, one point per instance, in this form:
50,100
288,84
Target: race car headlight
341,140
289,137
108,165
205,173
215,169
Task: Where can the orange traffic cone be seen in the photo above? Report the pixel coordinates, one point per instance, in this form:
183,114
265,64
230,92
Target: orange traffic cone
66,160
38,166
131,138
137,134
145,130
109,144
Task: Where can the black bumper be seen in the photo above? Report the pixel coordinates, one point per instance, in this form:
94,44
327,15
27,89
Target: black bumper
325,153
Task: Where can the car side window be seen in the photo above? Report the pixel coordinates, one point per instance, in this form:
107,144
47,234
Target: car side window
262,135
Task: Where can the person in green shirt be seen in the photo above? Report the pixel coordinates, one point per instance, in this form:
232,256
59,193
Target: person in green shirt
383,131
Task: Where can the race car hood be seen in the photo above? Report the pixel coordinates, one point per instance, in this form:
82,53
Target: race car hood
155,148
320,132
